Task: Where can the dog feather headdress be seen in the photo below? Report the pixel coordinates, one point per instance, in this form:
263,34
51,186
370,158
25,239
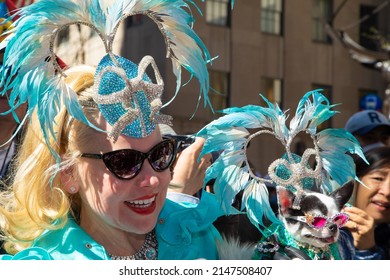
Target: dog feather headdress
31,72
332,151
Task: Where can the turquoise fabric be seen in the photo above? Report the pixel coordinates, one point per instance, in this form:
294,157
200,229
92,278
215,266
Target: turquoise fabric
184,231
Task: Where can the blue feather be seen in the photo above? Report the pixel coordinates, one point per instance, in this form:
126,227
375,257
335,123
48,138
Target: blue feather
229,136
255,199
336,146
34,80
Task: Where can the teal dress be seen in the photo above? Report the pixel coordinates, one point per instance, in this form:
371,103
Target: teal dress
184,231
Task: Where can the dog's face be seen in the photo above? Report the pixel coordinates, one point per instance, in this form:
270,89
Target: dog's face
317,221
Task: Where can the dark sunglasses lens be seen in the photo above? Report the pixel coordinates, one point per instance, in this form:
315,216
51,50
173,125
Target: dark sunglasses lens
125,164
162,155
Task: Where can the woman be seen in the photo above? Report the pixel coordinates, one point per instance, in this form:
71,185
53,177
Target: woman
113,207
93,170
370,218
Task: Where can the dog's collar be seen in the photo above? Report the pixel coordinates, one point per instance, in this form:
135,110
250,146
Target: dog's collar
315,253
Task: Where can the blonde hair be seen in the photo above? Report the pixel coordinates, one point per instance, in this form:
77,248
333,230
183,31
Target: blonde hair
36,201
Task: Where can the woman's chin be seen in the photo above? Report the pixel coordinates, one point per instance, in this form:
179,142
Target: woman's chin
146,225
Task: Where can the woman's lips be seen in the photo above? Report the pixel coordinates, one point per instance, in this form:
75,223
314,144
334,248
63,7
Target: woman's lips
144,205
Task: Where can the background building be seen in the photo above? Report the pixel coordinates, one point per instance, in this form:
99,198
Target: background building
274,47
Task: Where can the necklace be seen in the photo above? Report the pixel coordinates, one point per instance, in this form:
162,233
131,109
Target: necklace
148,251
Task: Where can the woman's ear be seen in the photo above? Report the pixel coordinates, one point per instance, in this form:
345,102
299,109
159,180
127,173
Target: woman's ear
68,182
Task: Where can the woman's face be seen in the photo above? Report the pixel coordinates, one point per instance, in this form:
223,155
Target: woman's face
375,200
109,203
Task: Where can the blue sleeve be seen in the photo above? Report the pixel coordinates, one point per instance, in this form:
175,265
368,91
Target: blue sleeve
346,247
349,252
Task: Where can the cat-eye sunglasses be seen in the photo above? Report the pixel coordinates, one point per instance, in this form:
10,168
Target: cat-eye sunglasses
125,164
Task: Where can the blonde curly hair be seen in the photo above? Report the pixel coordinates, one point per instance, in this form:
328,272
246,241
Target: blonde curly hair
36,200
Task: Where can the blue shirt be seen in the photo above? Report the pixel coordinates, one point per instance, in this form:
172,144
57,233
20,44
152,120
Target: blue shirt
379,252
184,231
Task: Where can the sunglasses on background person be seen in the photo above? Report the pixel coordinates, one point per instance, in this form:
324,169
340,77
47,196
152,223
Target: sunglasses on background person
182,141
127,163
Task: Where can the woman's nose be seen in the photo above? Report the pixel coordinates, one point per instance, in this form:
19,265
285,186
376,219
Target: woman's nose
148,176
384,188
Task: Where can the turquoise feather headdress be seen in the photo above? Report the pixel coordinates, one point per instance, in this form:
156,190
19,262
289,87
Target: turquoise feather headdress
31,73
332,149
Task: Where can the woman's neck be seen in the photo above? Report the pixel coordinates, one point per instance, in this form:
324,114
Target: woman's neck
115,241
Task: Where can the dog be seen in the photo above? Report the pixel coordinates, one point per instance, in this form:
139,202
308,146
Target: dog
318,217
314,225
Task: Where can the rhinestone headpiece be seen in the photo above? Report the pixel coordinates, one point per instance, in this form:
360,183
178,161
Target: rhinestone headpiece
127,98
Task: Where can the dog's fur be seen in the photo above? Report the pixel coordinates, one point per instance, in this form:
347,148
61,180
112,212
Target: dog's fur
233,249
313,203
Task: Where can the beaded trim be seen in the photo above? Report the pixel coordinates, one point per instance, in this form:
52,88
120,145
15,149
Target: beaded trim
315,252
132,109
299,170
267,247
148,251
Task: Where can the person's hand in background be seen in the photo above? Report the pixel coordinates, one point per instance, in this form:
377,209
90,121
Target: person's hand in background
189,172
361,225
